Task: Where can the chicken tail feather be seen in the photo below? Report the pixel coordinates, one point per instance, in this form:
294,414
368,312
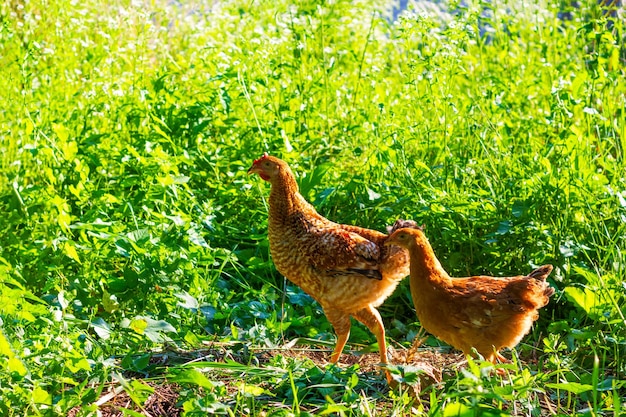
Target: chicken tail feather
401,223
541,273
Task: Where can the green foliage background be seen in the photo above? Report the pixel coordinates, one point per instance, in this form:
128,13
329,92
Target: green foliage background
129,223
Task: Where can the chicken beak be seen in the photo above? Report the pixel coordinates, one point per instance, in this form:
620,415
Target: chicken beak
254,169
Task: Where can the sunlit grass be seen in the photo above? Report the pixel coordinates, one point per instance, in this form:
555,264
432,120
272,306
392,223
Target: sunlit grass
131,227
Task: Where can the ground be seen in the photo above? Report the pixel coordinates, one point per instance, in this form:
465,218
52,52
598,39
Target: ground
164,401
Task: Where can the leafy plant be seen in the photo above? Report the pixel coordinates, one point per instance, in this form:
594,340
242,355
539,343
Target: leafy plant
131,231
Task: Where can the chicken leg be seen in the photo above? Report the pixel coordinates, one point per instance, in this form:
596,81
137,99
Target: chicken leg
341,323
370,317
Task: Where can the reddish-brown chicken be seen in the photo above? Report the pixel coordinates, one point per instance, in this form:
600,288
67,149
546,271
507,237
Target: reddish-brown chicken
347,269
484,313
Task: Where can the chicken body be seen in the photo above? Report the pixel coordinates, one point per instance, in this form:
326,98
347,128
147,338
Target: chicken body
484,313
347,269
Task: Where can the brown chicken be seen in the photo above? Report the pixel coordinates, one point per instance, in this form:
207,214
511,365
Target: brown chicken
484,313
347,269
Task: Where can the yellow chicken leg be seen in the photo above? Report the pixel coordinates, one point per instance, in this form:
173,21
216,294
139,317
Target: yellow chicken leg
341,323
370,317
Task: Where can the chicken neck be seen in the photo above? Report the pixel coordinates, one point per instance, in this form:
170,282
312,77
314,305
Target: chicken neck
424,264
285,198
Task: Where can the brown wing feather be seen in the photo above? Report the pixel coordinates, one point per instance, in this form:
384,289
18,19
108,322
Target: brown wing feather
335,250
482,302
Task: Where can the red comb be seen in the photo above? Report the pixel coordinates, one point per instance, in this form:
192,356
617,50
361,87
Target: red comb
265,155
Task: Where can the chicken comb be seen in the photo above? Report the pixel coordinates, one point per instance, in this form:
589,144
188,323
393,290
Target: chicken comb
256,161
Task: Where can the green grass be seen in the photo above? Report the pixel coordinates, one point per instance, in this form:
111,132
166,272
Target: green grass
130,228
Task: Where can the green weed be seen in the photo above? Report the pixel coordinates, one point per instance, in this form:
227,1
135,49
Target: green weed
131,233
